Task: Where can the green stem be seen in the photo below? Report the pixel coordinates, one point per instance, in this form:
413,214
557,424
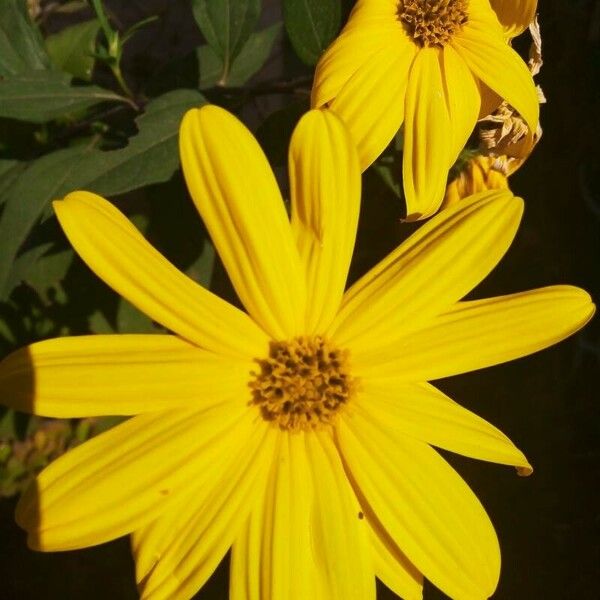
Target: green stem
106,28
225,73
116,69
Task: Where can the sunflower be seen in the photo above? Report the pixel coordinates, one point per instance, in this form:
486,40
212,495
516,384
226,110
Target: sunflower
434,65
297,433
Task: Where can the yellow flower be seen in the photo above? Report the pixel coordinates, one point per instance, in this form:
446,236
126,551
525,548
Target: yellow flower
434,65
515,15
298,433
479,174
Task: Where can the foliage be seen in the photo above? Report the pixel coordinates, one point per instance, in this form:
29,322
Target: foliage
311,25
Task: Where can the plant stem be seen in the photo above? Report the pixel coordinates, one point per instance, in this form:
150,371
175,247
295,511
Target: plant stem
116,69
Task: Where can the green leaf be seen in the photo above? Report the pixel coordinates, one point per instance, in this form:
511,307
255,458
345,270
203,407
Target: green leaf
389,175
131,320
21,46
71,49
151,157
9,171
44,180
210,68
251,59
42,268
226,25
311,26
5,167
40,96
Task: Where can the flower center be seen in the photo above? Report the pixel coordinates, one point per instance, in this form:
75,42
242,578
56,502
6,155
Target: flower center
432,22
302,384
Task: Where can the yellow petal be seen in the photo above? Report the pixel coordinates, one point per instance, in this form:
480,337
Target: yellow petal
490,101
426,414
515,15
305,539
494,62
272,558
177,554
425,507
462,98
481,333
428,136
117,375
325,190
371,102
122,479
340,534
393,568
235,191
116,251
440,263
354,49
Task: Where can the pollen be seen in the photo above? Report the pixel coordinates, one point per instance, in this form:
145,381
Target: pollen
432,22
302,384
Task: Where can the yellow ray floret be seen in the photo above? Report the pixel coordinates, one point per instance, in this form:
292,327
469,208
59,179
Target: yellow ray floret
515,15
430,66
300,433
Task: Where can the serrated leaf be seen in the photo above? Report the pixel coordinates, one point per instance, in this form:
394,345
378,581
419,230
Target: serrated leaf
226,25
250,60
71,49
151,157
311,26
21,46
40,96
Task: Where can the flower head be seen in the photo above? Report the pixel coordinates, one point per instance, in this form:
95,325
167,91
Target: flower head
300,432
435,66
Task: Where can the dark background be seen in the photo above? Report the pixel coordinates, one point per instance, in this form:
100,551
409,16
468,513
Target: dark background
548,524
